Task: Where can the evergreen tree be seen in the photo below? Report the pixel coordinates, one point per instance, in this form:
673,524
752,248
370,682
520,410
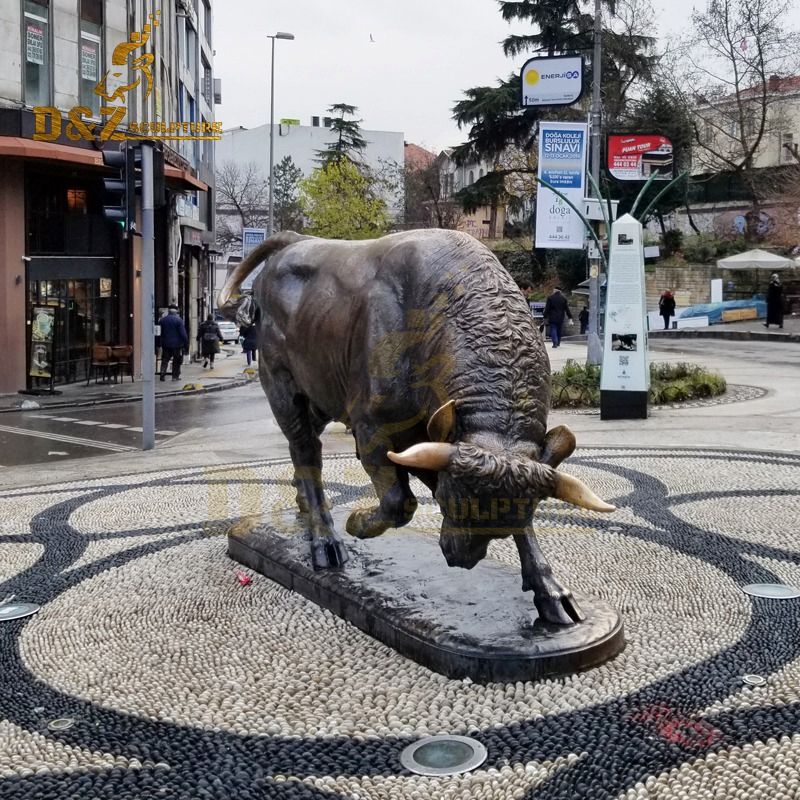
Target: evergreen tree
286,195
349,143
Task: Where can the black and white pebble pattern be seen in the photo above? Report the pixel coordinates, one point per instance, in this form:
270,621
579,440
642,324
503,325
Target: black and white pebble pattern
185,684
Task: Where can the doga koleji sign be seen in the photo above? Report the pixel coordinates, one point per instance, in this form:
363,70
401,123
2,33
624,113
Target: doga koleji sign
131,67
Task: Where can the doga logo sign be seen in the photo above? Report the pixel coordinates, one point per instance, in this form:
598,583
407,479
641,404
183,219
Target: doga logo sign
551,81
131,67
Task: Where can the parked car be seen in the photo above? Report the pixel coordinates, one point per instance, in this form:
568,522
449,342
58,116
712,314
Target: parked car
228,329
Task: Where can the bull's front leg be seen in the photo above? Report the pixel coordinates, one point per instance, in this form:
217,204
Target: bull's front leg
552,599
301,427
396,506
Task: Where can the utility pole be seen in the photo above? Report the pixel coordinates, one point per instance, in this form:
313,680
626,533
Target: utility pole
147,301
595,349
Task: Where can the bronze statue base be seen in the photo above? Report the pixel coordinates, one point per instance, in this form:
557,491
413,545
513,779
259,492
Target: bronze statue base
475,624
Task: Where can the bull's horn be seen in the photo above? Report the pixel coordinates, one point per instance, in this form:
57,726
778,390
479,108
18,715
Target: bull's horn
442,422
426,455
558,445
571,490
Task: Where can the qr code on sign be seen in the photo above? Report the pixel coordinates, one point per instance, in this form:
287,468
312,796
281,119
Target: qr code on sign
623,361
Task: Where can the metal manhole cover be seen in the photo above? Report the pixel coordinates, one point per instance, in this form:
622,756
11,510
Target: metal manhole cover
61,724
774,591
443,755
17,610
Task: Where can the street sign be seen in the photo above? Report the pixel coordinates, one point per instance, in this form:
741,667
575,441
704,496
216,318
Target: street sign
252,238
635,157
547,81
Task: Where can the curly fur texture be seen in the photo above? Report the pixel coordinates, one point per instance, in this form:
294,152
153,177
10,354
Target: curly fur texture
503,475
501,375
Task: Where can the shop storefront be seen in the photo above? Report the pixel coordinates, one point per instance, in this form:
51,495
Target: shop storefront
67,317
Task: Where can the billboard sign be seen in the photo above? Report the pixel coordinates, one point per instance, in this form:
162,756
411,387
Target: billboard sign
635,157
562,163
252,238
554,81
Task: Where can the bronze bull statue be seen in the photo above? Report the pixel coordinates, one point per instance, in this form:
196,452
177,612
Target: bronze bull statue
422,343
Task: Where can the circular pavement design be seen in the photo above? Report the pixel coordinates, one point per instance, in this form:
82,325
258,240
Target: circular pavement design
184,683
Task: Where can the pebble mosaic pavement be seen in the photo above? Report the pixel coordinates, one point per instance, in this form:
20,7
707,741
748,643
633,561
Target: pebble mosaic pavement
185,684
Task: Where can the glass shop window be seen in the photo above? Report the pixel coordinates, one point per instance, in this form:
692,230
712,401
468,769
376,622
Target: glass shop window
91,53
36,44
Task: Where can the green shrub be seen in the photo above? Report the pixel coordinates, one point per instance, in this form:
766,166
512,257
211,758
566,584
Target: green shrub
578,385
671,241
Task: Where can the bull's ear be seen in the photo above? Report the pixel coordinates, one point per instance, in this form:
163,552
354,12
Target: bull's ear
558,445
443,422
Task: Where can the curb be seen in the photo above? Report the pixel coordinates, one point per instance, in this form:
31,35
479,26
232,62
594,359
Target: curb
135,399
740,336
701,333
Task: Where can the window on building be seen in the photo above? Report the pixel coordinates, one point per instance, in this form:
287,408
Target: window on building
787,148
208,83
207,20
480,173
36,44
471,177
91,53
190,50
76,201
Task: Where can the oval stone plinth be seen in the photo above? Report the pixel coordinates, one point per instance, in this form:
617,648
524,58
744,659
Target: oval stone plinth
475,624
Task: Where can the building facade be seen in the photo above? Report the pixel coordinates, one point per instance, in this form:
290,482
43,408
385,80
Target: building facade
77,76
246,147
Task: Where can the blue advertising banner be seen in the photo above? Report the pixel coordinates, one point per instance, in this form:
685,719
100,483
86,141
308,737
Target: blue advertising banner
562,163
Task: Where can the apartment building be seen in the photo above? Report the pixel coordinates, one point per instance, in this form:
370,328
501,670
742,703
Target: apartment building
77,76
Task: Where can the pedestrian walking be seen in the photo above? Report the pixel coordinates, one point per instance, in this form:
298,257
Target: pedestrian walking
555,309
583,318
666,307
249,342
209,335
774,302
173,342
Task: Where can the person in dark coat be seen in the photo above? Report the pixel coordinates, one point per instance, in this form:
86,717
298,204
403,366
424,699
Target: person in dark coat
209,335
173,343
774,302
555,309
249,342
583,318
666,307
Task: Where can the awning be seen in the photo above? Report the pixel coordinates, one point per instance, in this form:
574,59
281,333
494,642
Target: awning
17,147
755,259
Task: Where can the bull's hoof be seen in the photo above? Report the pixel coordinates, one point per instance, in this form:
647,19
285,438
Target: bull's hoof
327,553
560,609
363,523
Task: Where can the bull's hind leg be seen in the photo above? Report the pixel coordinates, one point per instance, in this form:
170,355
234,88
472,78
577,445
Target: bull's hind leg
397,503
553,601
302,429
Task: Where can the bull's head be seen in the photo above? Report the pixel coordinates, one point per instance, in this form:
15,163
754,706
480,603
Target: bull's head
488,485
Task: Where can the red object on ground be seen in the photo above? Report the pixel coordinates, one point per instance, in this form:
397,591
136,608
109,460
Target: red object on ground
675,728
243,578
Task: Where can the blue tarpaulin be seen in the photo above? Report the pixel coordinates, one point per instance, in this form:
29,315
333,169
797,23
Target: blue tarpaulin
714,310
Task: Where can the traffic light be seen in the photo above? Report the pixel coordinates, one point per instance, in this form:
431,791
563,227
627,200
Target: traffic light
122,189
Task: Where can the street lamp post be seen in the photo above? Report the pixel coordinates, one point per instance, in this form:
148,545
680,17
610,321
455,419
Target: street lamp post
278,35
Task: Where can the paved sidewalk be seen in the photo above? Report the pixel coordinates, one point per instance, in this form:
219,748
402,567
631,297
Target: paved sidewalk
228,372
744,330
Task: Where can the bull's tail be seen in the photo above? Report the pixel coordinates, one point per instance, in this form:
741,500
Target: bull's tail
229,296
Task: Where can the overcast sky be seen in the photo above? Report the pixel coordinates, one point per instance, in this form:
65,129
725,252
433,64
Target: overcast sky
424,55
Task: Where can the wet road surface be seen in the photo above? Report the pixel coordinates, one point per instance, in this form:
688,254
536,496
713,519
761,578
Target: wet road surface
48,435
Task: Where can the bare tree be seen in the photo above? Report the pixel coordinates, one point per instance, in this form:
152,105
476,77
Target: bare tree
242,202
728,71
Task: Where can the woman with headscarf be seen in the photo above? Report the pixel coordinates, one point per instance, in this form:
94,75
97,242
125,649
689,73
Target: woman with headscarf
774,302
666,307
